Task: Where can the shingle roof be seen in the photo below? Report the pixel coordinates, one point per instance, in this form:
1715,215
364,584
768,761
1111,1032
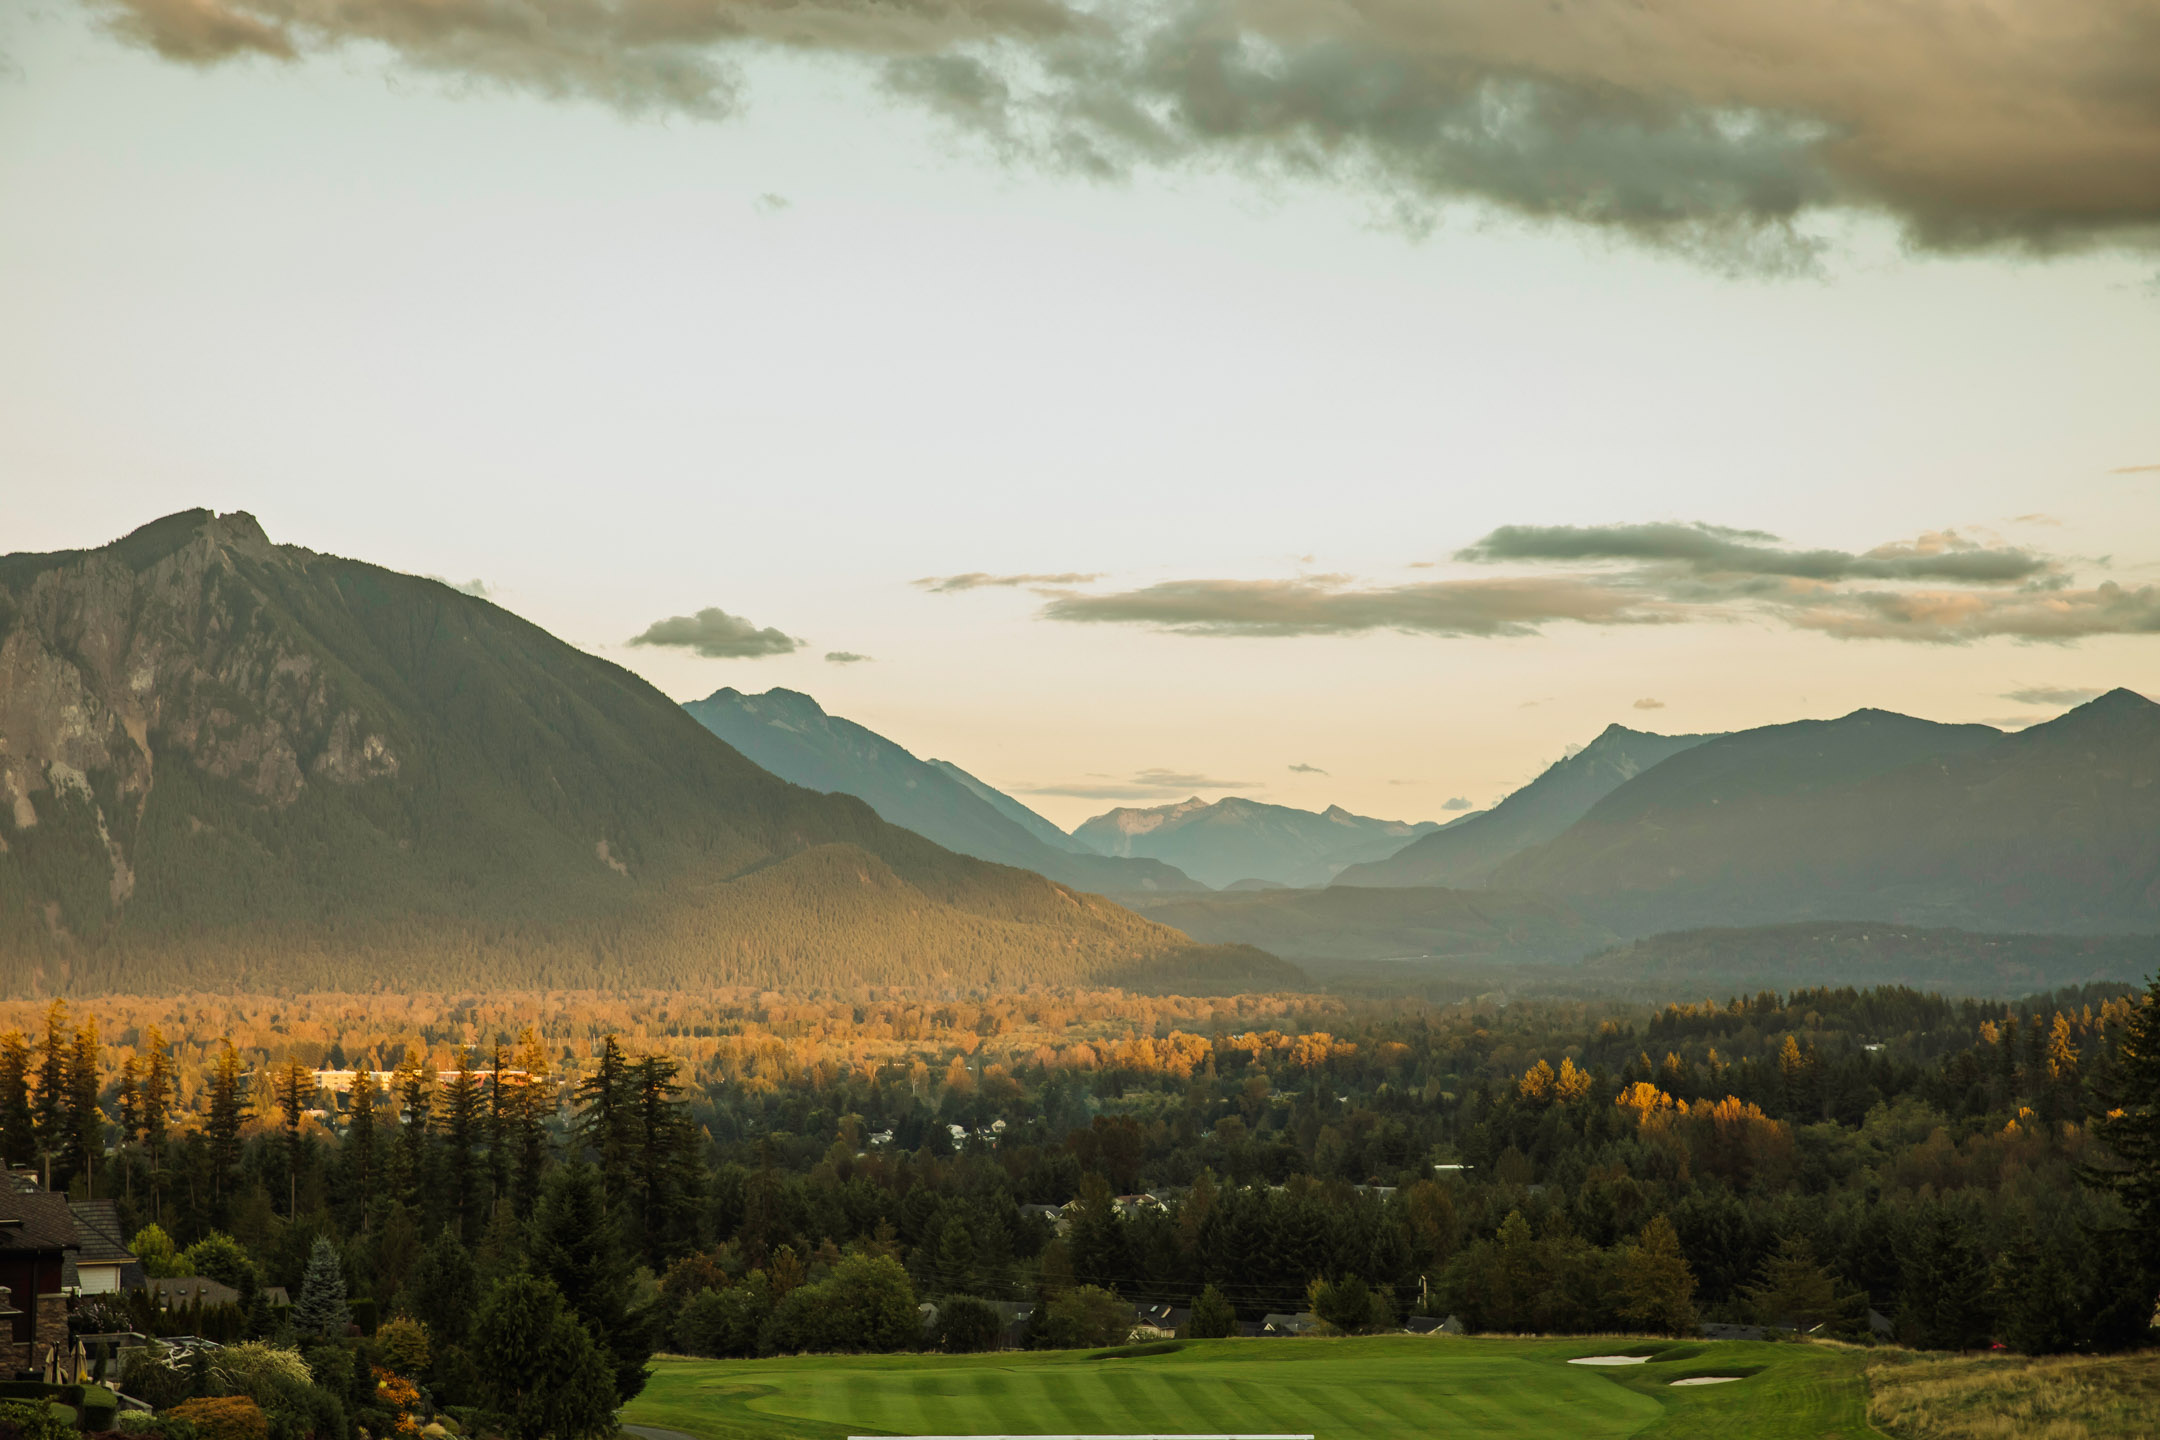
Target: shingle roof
97,1226
36,1222
189,1288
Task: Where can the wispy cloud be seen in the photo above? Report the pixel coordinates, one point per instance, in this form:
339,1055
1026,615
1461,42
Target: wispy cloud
477,588
2136,470
844,657
2036,518
717,635
1307,770
1647,703
2053,695
771,203
1332,605
1456,802
980,580
1941,587
1153,784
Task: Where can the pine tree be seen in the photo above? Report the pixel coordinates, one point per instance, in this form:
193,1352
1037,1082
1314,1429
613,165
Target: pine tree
535,1102
322,1308
55,1125
2128,1124
1213,1318
18,1125
228,1111
1657,1289
576,1245
86,1121
295,1087
127,1107
410,1085
157,1094
360,1142
607,1120
461,1138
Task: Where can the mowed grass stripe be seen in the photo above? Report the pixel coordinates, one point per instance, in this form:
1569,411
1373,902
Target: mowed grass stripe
1383,1388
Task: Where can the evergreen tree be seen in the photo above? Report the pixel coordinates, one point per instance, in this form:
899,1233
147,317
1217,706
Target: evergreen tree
359,1149
499,1108
1793,1289
1657,1288
539,1367
295,1084
412,1087
2128,1124
1943,1301
18,1125
461,1124
322,1308
1213,1317
157,1095
443,1290
221,1129
54,1124
668,1173
127,1108
576,1245
86,1122
607,1122
534,1102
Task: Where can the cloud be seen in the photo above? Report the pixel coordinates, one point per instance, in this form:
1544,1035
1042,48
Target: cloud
478,589
2053,695
844,657
1646,703
1153,784
1958,617
1714,550
1456,802
772,202
1718,130
978,580
2136,470
717,635
1307,770
1330,605
2036,518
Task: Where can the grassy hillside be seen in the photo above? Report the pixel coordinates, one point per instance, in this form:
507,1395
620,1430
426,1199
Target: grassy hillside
1382,1388
227,762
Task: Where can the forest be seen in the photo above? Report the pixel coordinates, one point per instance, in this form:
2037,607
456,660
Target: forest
747,1173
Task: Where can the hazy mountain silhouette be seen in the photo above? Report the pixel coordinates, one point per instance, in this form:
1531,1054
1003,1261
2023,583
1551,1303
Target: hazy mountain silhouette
1467,852
1235,839
790,734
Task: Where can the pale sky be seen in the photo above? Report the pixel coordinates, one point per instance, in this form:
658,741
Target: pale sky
787,361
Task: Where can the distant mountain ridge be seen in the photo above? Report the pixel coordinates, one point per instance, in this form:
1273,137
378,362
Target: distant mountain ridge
232,764
790,734
1878,816
1236,839
1469,851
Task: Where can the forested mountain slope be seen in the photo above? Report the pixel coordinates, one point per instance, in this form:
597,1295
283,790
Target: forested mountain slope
789,734
1880,817
1468,851
225,762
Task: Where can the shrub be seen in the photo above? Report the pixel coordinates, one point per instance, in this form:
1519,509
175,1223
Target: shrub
154,1381
1086,1318
224,1417
967,1324
403,1346
723,1323
260,1371
153,1427
30,1420
1213,1317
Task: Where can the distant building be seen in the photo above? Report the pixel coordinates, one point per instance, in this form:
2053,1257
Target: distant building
171,1294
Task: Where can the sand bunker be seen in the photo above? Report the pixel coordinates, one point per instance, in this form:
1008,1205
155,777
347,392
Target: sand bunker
1610,1360
1709,1380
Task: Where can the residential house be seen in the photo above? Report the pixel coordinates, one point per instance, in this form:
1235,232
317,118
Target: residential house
103,1264
171,1294
37,1243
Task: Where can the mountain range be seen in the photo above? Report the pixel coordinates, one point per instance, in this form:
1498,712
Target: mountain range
1235,840
789,734
1467,852
229,763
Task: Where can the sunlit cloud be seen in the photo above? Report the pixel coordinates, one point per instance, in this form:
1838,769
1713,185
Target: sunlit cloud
979,580
717,635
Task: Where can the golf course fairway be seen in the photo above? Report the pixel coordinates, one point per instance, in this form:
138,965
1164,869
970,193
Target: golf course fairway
1391,1387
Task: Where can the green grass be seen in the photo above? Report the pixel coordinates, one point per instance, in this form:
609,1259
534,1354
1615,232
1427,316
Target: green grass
1383,1388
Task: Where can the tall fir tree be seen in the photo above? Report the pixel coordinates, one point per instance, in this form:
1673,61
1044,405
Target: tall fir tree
127,1114
157,1097
607,1122
2127,1123
462,1115
18,1122
86,1122
295,1083
322,1308
535,1103
412,1088
54,1124
359,1148
221,1128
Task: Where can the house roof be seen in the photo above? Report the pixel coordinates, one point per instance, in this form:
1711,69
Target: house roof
97,1226
192,1288
36,1224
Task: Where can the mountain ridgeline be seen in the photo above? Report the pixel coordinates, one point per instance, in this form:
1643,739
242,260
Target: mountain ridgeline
226,763
1236,839
789,734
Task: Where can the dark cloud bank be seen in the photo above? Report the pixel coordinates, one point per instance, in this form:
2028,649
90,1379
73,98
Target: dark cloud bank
1701,125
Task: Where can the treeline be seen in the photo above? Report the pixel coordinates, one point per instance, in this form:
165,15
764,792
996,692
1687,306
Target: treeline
1863,1162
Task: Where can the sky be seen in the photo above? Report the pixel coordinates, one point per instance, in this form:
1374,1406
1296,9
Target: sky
1350,405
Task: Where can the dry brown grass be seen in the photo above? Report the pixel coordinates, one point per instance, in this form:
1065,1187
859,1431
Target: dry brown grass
2069,1397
